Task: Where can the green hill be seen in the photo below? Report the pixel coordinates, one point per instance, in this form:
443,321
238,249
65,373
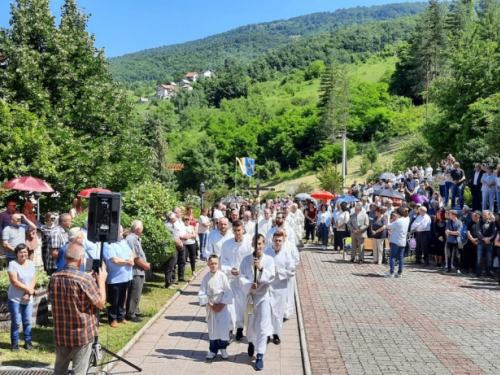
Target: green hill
247,42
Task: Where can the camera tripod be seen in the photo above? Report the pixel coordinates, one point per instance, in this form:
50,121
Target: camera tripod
96,356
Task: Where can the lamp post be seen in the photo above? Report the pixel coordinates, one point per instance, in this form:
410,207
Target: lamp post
202,190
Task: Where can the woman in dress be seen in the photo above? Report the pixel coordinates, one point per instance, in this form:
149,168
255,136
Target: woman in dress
20,295
76,207
439,236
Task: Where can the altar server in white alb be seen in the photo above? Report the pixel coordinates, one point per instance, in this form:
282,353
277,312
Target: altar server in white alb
284,270
217,237
290,299
215,293
280,223
233,252
258,304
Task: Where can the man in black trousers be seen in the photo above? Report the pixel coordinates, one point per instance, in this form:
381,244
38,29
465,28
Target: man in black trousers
475,187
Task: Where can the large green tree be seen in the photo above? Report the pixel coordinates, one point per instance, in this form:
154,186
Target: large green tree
60,77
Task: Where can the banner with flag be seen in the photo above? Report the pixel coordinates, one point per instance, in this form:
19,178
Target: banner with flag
247,166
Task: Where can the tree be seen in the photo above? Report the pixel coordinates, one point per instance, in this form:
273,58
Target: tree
231,83
330,179
315,70
63,80
371,153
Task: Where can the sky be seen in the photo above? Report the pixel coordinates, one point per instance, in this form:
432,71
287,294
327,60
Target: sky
125,26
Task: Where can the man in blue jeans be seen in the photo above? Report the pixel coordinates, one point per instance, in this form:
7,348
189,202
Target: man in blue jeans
453,229
486,233
397,240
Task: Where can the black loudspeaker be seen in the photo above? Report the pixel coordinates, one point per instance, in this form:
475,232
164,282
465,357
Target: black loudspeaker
104,217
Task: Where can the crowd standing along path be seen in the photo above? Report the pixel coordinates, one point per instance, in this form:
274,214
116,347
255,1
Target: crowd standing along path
358,322
177,343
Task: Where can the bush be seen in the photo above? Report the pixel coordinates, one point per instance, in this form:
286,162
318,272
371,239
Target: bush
269,170
149,202
329,154
365,165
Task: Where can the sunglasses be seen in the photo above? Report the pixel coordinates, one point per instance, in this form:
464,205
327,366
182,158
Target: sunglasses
52,218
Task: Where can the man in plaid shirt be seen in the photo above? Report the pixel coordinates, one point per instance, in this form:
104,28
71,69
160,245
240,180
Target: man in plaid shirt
76,298
58,238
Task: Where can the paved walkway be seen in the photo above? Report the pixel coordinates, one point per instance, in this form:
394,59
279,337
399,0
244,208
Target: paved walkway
358,322
178,342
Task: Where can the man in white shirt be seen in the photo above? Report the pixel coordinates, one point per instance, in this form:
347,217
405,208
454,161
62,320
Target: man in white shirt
218,212
181,232
422,229
296,221
217,237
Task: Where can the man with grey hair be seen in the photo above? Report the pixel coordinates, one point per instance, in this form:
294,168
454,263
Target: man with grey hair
249,223
169,265
218,212
266,223
75,235
76,298
58,238
15,234
138,272
358,223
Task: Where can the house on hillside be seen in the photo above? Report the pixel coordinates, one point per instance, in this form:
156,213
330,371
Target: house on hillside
165,91
183,82
207,74
192,76
187,87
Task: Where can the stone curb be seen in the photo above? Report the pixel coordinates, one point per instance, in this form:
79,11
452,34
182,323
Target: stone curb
302,333
141,332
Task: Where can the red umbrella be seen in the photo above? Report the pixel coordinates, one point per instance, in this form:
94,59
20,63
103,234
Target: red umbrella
322,194
29,184
85,193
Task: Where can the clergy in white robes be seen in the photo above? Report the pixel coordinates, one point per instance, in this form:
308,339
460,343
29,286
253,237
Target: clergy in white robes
266,223
284,270
217,237
233,252
280,223
258,308
290,299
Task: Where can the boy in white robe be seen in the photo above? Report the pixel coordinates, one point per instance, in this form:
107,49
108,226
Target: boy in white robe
284,269
233,252
258,307
216,294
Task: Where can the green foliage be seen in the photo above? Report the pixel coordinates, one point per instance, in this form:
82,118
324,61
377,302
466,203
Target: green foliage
330,178
149,202
329,154
78,128
371,153
365,165
42,280
416,151
269,169
315,69
229,84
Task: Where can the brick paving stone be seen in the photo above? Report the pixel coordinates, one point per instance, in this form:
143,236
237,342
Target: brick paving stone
358,322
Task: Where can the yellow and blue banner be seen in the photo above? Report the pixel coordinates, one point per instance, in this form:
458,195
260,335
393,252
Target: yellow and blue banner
247,166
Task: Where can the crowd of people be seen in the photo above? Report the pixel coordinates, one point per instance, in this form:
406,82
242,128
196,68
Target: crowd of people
252,250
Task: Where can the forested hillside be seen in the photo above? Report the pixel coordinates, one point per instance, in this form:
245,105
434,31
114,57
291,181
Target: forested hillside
246,43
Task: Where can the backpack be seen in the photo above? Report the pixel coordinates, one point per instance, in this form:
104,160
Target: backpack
463,235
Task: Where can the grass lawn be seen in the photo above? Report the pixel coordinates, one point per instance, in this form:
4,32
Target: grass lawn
153,299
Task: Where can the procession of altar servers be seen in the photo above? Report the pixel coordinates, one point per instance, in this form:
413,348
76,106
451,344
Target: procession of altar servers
259,305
